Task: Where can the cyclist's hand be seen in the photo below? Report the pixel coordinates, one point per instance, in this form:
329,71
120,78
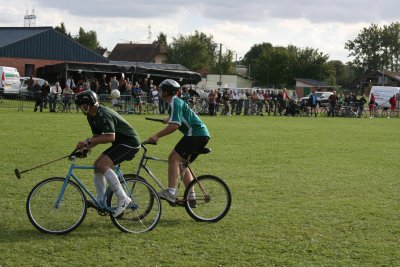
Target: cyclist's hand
153,139
81,153
84,144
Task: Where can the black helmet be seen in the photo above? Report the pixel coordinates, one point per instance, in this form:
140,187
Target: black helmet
86,97
169,86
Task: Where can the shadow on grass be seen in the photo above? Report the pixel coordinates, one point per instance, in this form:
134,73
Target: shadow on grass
88,228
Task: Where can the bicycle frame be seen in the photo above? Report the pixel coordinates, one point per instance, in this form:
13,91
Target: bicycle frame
183,167
70,175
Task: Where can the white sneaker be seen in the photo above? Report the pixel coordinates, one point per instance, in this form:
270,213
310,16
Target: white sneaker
122,205
165,194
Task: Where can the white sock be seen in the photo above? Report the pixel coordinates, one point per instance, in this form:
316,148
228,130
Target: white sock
192,195
115,185
100,185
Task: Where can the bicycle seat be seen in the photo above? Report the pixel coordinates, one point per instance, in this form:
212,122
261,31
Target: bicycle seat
204,150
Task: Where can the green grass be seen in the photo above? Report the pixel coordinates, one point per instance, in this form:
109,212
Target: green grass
306,192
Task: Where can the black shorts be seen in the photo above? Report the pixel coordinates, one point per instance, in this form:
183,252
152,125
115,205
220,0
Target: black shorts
188,145
119,153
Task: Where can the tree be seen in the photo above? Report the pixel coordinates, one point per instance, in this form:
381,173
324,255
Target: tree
196,52
62,29
161,39
376,48
88,39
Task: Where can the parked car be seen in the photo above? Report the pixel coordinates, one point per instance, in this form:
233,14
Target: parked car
24,83
322,98
9,80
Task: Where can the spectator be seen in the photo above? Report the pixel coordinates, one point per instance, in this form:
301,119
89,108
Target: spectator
67,98
392,102
212,96
260,103
155,95
234,101
371,105
361,102
46,91
313,102
246,103
114,84
333,99
136,95
38,95
70,82
30,84
253,102
225,102
242,97
78,90
54,95
103,85
94,85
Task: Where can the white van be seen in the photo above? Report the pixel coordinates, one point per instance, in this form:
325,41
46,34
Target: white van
9,80
383,94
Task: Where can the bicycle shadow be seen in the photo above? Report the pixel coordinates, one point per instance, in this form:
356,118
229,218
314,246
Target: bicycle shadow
86,229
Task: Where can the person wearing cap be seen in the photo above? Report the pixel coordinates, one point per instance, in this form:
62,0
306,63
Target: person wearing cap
195,137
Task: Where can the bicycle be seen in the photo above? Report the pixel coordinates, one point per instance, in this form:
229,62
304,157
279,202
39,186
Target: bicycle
58,205
213,196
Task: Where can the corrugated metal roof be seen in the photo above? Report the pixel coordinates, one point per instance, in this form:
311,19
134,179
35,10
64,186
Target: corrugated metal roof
9,35
43,43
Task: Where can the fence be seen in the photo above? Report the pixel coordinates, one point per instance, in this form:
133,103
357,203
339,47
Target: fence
124,104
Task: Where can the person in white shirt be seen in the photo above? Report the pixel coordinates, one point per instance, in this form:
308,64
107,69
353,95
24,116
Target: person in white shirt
54,95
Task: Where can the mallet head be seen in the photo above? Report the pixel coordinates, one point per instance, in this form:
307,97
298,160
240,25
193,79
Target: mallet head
17,173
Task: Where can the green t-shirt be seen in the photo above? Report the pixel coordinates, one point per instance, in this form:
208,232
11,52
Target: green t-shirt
189,123
107,121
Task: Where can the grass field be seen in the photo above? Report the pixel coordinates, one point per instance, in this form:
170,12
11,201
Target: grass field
306,192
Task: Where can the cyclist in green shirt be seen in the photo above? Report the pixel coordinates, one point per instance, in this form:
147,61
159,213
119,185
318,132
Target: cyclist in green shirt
107,127
196,136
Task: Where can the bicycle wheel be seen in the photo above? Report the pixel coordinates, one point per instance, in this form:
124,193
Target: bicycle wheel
323,112
143,213
48,216
384,113
213,198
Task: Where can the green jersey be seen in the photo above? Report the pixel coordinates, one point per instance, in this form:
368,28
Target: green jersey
189,123
107,121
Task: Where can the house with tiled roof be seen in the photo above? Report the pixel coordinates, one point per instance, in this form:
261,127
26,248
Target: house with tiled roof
363,83
149,53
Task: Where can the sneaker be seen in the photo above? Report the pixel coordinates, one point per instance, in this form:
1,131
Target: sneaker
192,203
165,194
122,205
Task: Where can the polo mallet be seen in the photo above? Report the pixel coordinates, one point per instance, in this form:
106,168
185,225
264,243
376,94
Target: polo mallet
18,173
153,119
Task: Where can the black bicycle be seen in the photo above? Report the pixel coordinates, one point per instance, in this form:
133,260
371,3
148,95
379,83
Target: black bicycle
213,196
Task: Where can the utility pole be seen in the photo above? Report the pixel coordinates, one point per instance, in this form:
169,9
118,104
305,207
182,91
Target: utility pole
220,67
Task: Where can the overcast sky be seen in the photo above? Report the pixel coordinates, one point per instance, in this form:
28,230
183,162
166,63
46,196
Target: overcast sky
237,24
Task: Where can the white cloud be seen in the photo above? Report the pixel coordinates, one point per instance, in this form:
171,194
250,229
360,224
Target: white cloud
324,25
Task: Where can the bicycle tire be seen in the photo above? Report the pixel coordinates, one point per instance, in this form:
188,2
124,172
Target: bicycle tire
151,199
144,212
384,113
213,203
43,213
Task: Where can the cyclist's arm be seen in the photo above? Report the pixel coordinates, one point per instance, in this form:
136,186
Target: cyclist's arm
172,127
89,143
